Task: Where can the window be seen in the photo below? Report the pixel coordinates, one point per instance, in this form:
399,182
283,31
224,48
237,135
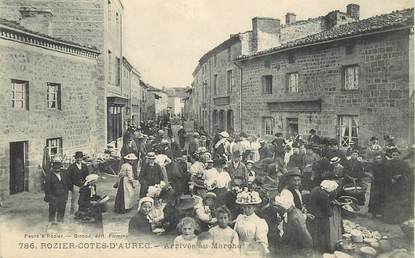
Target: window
110,67
54,146
268,126
267,84
117,24
267,63
109,15
229,54
291,58
54,96
349,130
215,84
117,71
229,80
293,82
20,94
349,49
214,60
351,77
205,90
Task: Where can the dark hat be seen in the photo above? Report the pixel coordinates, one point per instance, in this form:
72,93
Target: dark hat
57,165
79,154
278,134
151,155
293,171
373,138
211,195
185,202
236,153
312,131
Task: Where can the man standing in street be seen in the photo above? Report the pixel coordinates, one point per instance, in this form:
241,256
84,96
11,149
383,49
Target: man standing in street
77,173
237,169
56,192
182,137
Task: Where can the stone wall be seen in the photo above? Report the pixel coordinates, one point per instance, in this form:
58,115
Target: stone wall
80,120
381,102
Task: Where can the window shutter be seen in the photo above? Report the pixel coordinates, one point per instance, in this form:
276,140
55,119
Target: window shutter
26,88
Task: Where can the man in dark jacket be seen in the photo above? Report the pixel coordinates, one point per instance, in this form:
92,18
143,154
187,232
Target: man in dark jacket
182,136
264,151
150,174
77,173
313,138
56,192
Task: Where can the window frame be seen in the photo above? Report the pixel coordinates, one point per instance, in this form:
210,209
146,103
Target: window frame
215,84
347,121
58,92
24,100
344,77
229,80
59,146
264,84
117,68
229,54
289,82
271,126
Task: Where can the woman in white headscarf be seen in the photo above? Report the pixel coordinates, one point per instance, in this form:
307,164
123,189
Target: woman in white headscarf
326,227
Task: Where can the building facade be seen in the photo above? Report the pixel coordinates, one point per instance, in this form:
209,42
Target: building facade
176,96
216,87
49,97
349,79
94,23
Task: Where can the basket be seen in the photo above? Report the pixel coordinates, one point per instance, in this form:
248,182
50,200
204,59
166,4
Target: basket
357,190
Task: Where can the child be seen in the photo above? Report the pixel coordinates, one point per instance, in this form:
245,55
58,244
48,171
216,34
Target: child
204,211
157,216
222,234
188,239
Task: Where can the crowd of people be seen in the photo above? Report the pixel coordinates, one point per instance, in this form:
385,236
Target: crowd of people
243,193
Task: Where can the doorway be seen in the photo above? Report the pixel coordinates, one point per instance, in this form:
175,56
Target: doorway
292,127
19,175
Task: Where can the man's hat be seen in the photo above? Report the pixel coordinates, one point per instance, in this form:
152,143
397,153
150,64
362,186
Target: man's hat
57,165
151,155
130,156
224,134
79,154
312,131
373,138
249,162
278,134
210,195
185,202
236,154
293,171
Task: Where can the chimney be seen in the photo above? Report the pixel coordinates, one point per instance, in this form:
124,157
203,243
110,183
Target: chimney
290,18
353,10
265,33
36,20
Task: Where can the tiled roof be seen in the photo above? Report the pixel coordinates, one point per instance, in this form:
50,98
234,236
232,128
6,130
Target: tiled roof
394,20
17,26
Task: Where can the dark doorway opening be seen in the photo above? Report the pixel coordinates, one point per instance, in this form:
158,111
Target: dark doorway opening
292,127
19,174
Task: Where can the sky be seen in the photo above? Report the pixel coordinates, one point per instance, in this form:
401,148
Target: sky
164,39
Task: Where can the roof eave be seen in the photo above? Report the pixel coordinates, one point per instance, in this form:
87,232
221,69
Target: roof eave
321,42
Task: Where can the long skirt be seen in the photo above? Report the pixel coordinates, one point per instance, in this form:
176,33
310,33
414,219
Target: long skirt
335,224
124,196
119,205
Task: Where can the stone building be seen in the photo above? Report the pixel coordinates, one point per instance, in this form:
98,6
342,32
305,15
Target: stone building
50,96
215,87
345,77
131,81
350,81
160,101
175,99
94,23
